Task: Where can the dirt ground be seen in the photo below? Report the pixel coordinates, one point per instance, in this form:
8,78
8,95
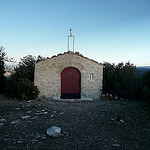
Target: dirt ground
86,125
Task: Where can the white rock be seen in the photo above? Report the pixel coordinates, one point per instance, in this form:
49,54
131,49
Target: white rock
61,113
2,120
34,118
17,108
42,136
34,140
53,131
116,145
38,113
56,98
15,122
45,113
25,117
87,98
46,96
112,119
65,132
19,141
28,112
1,124
122,120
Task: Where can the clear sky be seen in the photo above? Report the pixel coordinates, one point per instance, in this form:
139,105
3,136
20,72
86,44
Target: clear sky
105,30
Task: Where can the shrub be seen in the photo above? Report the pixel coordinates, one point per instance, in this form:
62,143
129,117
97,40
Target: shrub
146,94
2,68
2,84
123,80
25,68
21,83
22,89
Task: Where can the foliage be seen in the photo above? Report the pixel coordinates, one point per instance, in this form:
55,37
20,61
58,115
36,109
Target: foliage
21,84
25,68
2,68
146,87
146,79
21,89
145,94
109,78
3,60
40,58
122,80
128,80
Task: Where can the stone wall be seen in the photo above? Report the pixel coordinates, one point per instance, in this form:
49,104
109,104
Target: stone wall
48,75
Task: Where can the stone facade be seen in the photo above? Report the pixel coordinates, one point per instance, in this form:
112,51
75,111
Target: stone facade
48,75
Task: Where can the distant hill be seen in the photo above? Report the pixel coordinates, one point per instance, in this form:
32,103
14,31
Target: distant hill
143,69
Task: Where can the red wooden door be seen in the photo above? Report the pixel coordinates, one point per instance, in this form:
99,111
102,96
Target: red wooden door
70,83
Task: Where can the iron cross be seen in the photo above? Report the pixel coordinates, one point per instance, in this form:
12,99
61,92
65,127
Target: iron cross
70,32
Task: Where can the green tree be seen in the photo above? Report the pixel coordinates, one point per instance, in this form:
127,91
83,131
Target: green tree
129,80
146,87
21,88
2,69
109,78
123,80
40,58
21,84
146,79
26,67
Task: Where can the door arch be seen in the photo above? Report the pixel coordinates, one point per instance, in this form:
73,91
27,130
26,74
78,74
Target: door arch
70,83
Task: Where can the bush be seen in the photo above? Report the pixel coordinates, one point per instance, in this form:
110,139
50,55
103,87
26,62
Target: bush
123,80
22,89
146,94
2,68
21,83
2,84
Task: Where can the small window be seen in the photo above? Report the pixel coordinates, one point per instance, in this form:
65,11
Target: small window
91,77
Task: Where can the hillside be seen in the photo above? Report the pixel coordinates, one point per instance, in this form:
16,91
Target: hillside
143,69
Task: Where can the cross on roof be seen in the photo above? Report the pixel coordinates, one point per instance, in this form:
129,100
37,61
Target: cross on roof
70,37
70,32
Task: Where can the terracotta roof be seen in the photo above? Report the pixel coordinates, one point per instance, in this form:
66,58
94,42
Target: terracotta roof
78,54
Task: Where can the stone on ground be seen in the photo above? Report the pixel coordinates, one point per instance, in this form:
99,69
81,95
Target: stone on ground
25,117
1,124
53,131
15,122
2,120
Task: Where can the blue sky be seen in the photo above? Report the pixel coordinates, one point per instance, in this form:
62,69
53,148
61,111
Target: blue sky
105,30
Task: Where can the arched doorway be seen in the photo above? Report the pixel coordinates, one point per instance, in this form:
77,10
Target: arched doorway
70,83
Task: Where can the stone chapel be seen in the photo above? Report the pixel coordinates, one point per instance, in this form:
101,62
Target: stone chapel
69,76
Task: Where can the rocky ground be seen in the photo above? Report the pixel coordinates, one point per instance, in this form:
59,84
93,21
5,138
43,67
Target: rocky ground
98,125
